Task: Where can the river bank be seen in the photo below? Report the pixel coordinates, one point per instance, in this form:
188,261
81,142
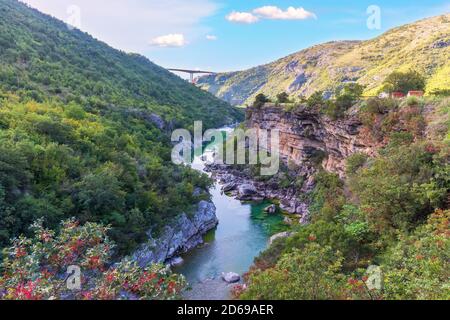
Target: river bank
240,185
243,231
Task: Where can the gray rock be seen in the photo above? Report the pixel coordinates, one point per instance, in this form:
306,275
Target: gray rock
441,44
247,189
229,187
288,206
199,192
175,262
182,235
271,209
157,121
230,277
280,235
257,199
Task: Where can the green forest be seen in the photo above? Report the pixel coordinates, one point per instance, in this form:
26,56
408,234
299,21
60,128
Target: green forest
84,131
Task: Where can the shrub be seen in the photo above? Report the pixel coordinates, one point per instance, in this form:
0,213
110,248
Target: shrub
282,97
418,266
354,222
441,92
355,162
315,100
36,268
379,105
404,81
413,101
309,274
327,197
400,187
346,97
260,100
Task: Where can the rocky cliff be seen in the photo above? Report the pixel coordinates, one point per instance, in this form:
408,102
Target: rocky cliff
179,237
308,140
307,137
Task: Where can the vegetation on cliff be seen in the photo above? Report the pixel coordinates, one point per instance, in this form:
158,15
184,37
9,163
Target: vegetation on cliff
391,211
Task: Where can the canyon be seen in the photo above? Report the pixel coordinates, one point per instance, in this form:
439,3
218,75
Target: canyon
305,134
308,141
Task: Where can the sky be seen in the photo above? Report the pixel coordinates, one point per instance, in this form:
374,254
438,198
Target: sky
229,35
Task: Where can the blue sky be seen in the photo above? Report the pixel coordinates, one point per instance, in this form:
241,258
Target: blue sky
221,35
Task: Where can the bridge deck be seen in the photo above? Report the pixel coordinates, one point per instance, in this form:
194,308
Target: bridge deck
191,71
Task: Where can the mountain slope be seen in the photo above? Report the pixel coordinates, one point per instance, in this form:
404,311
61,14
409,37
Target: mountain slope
423,45
40,56
84,132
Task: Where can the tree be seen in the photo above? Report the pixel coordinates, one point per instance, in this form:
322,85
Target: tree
418,266
346,97
315,100
401,186
260,100
354,90
36,268
404,81
283,97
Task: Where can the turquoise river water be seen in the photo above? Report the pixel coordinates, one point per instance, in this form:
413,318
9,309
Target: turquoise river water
242,233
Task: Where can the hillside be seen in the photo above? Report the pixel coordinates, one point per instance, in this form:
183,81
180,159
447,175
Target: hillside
41,57
423,45
85,132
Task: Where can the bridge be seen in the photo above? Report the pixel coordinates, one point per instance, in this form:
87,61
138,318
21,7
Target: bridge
192,72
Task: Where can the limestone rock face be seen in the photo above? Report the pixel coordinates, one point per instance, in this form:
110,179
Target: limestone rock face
305,134
184,234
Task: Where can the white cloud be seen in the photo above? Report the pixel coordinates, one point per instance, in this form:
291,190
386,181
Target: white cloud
169,40
211,37
128,25
242,17
270,13
275,13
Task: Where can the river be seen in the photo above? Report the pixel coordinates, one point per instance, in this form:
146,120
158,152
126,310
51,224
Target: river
242,233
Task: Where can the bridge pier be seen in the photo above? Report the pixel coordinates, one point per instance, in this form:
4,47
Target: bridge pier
192,73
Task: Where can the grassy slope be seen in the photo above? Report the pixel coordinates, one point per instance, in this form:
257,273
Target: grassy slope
325,66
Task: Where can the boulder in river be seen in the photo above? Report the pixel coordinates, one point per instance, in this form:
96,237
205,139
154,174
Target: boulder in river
230,277
271,209
175,262
247,189
229,187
